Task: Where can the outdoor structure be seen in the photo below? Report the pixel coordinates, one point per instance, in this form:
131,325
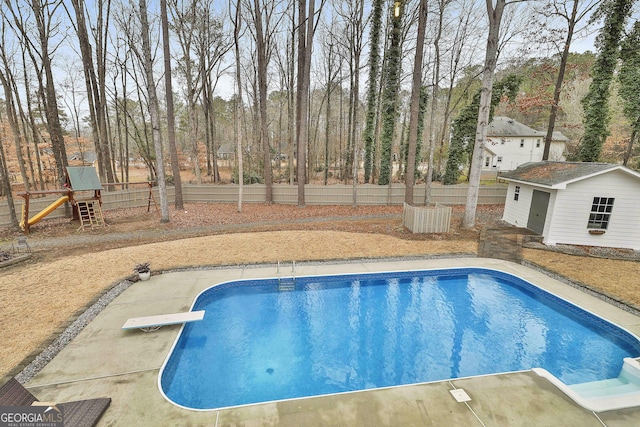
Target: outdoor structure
427,219
592,204
510,144
80,180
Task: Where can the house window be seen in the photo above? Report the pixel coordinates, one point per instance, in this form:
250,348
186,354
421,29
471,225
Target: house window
538,143
521,143
516,193
600,212
487,160
499,159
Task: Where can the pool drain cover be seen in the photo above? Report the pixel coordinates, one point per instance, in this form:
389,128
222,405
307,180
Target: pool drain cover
460,395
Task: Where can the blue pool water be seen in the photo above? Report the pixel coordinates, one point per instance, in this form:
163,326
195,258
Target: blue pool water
344,333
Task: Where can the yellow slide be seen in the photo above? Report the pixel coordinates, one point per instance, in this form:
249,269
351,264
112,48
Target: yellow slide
46,211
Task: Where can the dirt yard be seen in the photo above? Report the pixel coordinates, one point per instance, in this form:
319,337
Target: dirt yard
69,269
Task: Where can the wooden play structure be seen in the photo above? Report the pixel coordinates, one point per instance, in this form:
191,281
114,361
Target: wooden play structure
86,207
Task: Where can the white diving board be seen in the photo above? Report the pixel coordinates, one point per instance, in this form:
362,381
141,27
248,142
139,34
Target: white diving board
153,323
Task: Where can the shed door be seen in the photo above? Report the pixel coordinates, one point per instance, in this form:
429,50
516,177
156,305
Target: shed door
538,211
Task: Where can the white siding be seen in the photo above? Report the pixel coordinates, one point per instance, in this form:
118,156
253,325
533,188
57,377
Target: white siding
551,209
556,151
516,212
513,155
573,206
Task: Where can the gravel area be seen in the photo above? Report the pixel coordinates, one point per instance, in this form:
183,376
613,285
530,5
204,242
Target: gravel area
42,359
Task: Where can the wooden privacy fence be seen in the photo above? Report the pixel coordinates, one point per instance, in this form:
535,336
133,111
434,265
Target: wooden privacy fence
366,194
427,219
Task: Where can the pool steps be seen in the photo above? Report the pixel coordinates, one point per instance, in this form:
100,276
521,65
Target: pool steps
605,395
286,283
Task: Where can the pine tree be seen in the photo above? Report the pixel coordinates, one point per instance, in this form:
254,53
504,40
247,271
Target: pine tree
596,102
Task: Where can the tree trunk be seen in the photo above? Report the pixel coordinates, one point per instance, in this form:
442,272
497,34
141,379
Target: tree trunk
6,183
237,23
627,154
414,114
390,96
94,84
171,120
13,124
43,15
31,119
153,112
302,104
262,100
434,105
558,88
372,91
491,58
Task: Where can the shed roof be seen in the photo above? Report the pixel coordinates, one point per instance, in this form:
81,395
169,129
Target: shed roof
502,126
559,174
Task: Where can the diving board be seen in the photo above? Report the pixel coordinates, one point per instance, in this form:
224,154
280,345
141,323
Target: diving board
153,323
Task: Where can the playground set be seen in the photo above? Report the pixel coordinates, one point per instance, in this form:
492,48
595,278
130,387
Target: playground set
80,180
87,210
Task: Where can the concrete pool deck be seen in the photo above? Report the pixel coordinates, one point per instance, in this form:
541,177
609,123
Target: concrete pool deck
106,361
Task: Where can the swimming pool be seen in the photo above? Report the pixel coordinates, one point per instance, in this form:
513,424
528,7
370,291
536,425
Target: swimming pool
335,334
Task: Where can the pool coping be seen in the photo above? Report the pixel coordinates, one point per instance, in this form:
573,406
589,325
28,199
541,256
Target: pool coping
598,404
60,379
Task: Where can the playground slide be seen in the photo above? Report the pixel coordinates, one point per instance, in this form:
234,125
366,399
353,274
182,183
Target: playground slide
46,211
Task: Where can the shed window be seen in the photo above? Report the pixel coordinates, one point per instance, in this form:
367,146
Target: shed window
538,143
521,143
601,209
516,193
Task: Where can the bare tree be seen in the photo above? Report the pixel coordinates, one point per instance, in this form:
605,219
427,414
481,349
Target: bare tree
331,67
416,88
40,52
185,18
153,111
264,26
212,44
302,99
237,24
28,118
73,99
6,183
307,21
6,79
171,120
580,10
95,82
494,13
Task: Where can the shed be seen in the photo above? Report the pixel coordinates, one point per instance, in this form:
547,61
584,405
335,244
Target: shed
591,204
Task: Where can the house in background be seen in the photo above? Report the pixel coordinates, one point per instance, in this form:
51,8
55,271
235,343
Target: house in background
510,144
86,158
226,151
590,204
